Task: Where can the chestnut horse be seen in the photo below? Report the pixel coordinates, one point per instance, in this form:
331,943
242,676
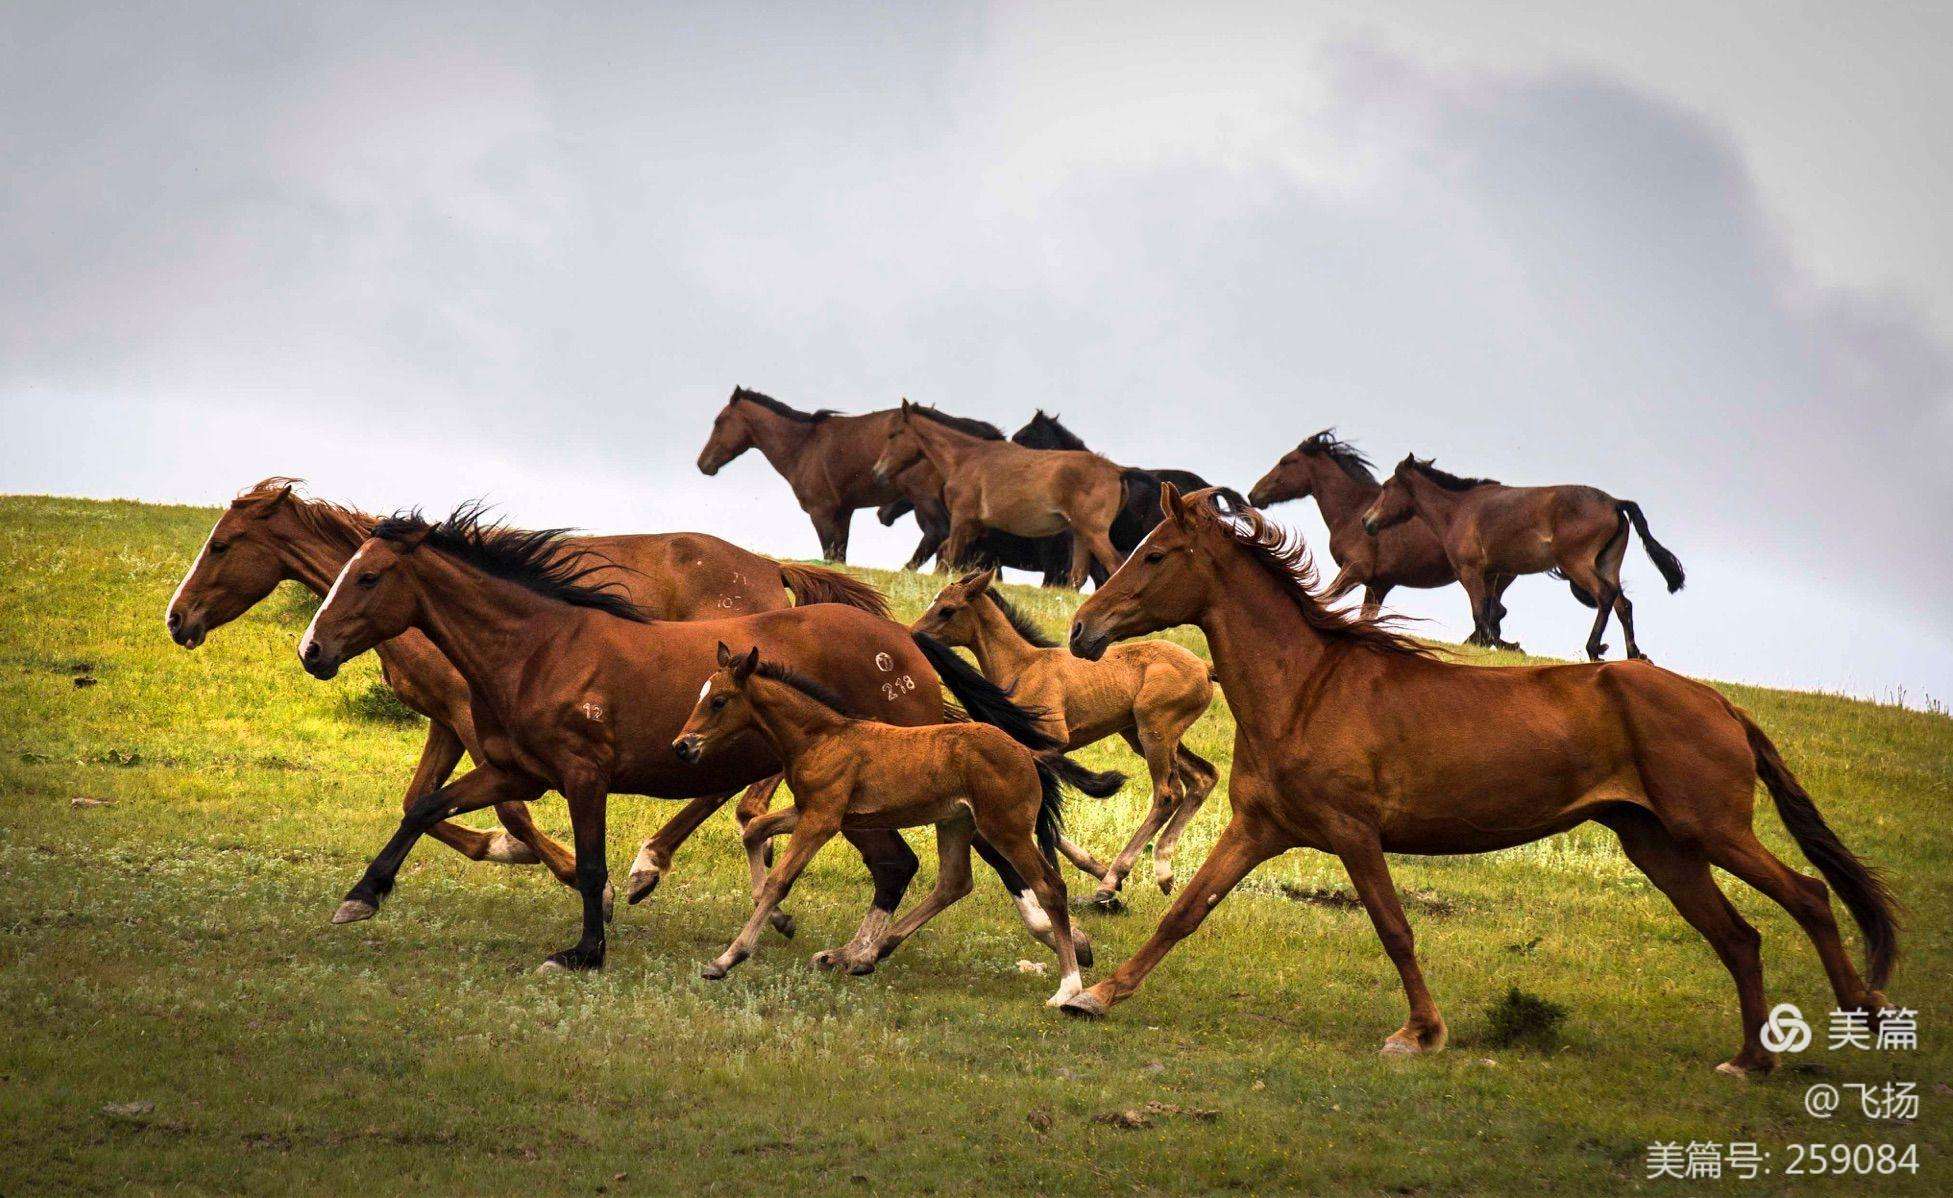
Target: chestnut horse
1338,475
1000,781
1149,692
574,688
1354,740
828,459
996,484
271,533
1493,532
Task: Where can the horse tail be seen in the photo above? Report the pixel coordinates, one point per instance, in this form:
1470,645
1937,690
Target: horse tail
1579,592
1096,784
983,699
818,584
1051,810
1669,565
1862,889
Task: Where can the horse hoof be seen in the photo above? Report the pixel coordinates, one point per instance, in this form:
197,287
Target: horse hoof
714,971
1084,1005
859,968
354,910
1083,950
1747,1072
551,967
783,924
642,883
828,958
1394,1047
1166,883
504,849
610,903
1107,901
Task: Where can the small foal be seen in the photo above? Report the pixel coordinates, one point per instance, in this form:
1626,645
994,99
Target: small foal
965,778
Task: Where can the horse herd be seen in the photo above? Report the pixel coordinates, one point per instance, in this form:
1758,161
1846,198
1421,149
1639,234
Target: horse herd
680,666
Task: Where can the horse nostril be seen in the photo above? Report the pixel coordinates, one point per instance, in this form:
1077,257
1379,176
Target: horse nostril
175,621
311,651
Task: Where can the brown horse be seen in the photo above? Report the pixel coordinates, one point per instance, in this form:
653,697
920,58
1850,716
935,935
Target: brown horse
1149,692
271,533
828,459
574,689
1492,533
1357,741
1338,475
1000,485
969,779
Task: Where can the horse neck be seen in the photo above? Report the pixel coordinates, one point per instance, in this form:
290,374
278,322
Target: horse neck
788,718
943,447
1434,503
1339,496
1001,651
317,543
483,624
1262,646
781,440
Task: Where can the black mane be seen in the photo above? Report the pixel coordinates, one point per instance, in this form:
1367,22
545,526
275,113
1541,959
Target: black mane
1349,457
962,424
541,560
1021,622
1451,482
779,409
1045,432
813,688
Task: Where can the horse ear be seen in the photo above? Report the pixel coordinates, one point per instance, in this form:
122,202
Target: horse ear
744,669
1172,506
979,582
261,506
725,655
410,541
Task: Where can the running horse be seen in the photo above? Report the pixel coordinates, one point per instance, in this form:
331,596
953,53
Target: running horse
828,458
999,485
574,688
273,533
1337,474
1492,533
1355,740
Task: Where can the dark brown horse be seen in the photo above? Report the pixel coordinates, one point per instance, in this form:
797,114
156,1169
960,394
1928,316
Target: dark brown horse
828,459
996,484
1356,741
574,689
1000,781
1493,533
1338,475
271,533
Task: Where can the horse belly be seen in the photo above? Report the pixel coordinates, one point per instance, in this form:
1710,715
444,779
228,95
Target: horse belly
1024,517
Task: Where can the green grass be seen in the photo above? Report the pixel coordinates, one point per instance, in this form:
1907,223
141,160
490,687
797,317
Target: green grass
171,947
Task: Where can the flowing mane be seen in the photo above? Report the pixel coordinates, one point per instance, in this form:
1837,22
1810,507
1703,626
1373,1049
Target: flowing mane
1025,627
1428,467
813,688
1349,457
779,409
1044,431
540,560
339,525
962,424
1286,557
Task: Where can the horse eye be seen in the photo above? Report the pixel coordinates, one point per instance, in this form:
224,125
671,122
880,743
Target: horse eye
218,547
1155,556
950,610
718,701
368,579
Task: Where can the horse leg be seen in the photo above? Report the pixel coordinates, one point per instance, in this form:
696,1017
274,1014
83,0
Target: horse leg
962,533
832,526
1495,586
1809,902
588,797
1682,873
1027,901
439,754
1010,831
1243,844
1370,873
892,864
521,825
815,828
1607,566
933,520
481,787
654,856
1095,536
1167,795
1478,593
1197,780
953,882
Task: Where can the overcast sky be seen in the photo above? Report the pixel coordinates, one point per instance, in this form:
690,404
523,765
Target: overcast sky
1697,255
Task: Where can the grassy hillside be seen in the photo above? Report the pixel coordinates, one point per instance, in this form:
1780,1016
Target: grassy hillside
183,1018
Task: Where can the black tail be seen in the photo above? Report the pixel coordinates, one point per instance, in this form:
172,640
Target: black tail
1861,888
1097,785
1669,565
1051,809
1579,592
983,699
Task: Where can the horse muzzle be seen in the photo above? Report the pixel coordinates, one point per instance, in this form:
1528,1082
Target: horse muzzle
187,632
689,749
1087,644
707,467
318,662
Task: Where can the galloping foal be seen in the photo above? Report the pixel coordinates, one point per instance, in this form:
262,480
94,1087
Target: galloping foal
272,533
1492,533
1149,692
995,484
968,779
1356,741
